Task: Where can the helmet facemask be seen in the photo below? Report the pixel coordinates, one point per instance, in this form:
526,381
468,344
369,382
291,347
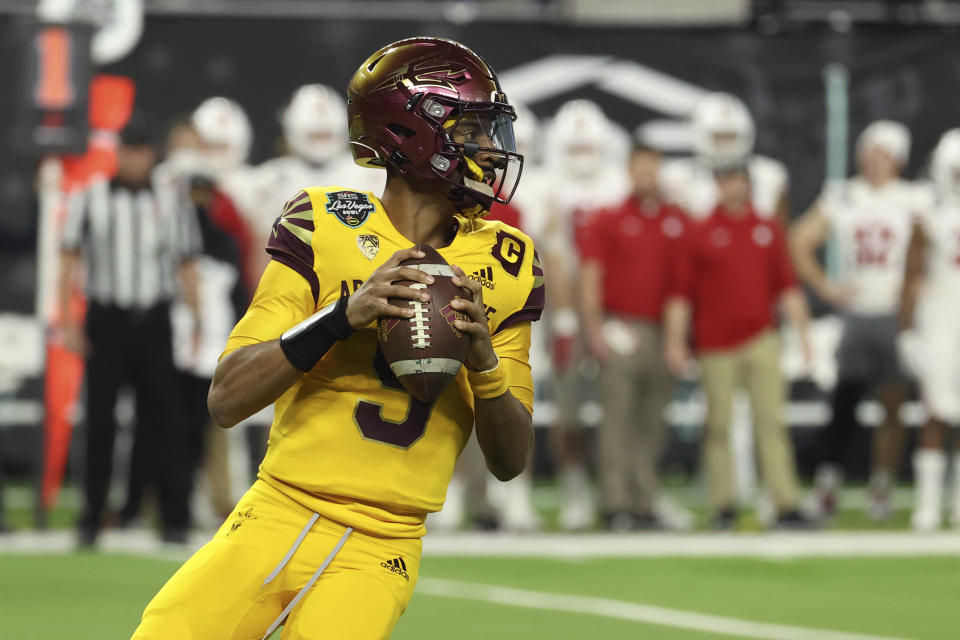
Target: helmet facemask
477,155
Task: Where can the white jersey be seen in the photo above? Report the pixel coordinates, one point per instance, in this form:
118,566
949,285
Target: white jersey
239,184
938,348
279,179
690,185
940,299
217,275
569,202
871,228
530,200
215,282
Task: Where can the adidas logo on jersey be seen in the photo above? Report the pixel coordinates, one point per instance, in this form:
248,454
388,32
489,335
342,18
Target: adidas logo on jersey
484,277
397,566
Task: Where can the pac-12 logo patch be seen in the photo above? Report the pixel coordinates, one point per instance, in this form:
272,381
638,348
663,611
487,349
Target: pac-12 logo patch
369,245
350,207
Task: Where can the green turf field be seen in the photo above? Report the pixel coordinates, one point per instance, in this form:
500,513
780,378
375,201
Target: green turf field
100,596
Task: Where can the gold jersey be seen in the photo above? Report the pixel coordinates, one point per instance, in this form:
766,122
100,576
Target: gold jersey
347,441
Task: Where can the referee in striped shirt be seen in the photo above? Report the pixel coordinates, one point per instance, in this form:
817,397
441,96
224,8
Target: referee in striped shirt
134,240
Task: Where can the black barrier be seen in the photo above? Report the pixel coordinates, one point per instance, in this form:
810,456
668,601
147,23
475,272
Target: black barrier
908,75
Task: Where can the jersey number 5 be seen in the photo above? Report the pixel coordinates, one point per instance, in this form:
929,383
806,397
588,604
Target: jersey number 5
372,424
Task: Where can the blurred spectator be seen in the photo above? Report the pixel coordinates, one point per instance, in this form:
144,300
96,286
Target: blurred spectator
723,136
869,218
930,336
628,256
582,178
134,237
734,269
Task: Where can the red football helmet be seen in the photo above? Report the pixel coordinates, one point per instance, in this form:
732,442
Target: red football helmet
433,108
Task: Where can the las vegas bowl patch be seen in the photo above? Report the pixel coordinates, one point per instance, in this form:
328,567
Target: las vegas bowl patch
350,207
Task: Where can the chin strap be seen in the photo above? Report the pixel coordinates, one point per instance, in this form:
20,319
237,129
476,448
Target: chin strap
477,210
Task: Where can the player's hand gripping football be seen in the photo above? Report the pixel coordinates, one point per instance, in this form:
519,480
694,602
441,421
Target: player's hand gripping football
369,302
481,356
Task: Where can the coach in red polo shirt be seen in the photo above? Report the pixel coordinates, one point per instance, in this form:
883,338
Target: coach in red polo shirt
733,271
629,255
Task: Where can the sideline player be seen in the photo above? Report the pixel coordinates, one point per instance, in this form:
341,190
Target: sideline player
871,216
581,178
327,540
930,337
723,137
314,126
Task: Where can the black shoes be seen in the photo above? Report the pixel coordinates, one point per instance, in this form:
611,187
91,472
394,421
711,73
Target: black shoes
618,521
724,520
87,538
623,521
174,535
793,520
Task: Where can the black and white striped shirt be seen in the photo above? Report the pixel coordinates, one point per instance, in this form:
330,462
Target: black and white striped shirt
133,241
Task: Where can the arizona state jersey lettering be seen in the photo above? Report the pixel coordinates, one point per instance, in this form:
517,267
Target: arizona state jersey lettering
347,441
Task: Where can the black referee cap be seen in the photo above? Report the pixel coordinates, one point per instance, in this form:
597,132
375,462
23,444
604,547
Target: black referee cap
137,132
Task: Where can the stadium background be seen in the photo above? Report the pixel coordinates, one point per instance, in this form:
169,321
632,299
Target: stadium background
905,75
910,73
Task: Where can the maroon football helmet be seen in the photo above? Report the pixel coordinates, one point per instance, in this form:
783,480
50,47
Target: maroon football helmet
431,107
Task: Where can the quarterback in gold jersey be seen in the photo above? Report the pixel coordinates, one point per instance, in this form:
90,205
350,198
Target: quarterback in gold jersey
326,543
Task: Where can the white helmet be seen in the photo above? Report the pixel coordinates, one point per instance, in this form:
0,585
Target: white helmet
723,130
891,136
945,165
315,123
225,129
579,135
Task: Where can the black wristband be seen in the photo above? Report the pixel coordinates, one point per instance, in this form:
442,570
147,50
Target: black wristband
305,343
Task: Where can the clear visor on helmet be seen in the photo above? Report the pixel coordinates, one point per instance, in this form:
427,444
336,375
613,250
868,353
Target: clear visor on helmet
485,137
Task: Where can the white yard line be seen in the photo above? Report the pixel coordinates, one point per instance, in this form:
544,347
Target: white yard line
777,545
629,611
758,545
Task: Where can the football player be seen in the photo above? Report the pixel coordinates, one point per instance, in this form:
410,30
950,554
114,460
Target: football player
314,126
582,176
723,136
327,541
220,182
930,341
870,217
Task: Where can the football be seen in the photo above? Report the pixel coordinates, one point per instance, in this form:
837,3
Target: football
425,352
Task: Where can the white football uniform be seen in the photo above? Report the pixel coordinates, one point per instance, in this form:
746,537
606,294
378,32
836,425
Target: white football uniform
530,201
937,311
871,228
690,185
568,206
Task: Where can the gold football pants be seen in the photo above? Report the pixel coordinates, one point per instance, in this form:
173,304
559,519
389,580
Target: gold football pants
262,567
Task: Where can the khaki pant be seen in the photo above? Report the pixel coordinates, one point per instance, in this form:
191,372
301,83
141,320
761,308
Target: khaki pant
634,390
755,366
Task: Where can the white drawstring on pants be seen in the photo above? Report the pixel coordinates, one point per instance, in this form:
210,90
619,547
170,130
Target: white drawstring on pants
316,575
